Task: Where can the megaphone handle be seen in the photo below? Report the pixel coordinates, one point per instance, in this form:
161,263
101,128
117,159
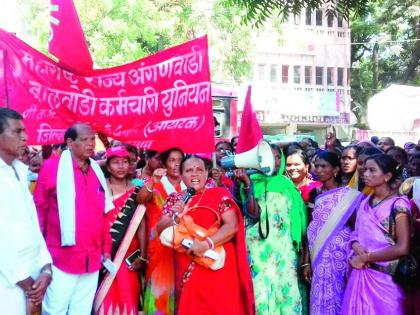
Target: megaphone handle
214,160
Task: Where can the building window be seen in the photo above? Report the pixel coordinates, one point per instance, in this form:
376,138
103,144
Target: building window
308,75
296,74
330,20
273,73
284,73
319,17
261,72
339,20
308,17
319,72
296,18
340,76
330,77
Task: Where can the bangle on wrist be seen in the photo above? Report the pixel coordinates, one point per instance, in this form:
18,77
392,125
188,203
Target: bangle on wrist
150,190
304,265
47,272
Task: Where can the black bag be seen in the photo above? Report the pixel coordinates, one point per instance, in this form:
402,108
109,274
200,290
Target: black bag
407,272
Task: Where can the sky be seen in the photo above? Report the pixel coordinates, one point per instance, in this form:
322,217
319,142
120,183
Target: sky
9,16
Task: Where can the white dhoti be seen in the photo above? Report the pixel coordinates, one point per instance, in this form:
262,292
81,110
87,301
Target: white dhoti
12,300
70,294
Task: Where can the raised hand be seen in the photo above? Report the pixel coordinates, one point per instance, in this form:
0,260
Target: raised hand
158,174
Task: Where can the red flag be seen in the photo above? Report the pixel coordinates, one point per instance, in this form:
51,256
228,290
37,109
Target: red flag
250,133
67,41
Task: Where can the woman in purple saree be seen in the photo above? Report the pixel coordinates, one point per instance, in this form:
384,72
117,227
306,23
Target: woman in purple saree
328,237
376,245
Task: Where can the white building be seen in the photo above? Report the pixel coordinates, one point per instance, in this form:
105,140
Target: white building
300,75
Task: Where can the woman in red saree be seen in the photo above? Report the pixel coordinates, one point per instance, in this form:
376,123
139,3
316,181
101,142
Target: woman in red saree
159,293
120,293
200,290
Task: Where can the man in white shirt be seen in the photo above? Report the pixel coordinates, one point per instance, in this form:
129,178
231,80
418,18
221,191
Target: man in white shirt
25,263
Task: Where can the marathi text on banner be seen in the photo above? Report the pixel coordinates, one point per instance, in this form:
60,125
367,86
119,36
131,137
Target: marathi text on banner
155,102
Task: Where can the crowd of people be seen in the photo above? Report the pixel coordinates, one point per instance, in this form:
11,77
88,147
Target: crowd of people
125,230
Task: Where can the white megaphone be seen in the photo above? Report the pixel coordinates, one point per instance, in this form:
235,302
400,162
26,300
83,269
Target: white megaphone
260,159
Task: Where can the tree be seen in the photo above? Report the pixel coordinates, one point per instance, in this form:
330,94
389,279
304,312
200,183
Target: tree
385,50
121,31
258,11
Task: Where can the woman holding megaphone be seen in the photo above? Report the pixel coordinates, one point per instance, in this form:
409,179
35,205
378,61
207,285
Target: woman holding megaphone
204,227
274,240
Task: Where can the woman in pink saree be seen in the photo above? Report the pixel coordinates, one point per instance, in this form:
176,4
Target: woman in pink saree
377,244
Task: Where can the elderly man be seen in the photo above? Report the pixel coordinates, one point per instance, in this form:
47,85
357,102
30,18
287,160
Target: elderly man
72,200
25,264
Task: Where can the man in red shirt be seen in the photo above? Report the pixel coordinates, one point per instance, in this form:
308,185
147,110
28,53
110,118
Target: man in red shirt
71,200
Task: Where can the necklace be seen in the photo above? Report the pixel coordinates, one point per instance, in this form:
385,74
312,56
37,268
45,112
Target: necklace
192,208
374,204
112,192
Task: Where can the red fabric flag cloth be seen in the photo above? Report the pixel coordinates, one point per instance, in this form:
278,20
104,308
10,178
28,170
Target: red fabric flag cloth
154,103
250,133
67,41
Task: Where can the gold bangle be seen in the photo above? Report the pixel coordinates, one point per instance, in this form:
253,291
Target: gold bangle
150,190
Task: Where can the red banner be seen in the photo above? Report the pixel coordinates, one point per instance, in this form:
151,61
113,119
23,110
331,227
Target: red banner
161,101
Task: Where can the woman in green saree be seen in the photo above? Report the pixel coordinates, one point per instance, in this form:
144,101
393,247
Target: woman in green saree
279,215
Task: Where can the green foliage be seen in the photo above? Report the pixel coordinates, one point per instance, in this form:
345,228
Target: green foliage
232,43
121,31
259,11
394,26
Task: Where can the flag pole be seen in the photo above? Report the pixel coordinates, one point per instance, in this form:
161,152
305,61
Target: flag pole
6,91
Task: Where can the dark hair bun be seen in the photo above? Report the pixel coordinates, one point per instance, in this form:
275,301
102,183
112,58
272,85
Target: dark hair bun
387,164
